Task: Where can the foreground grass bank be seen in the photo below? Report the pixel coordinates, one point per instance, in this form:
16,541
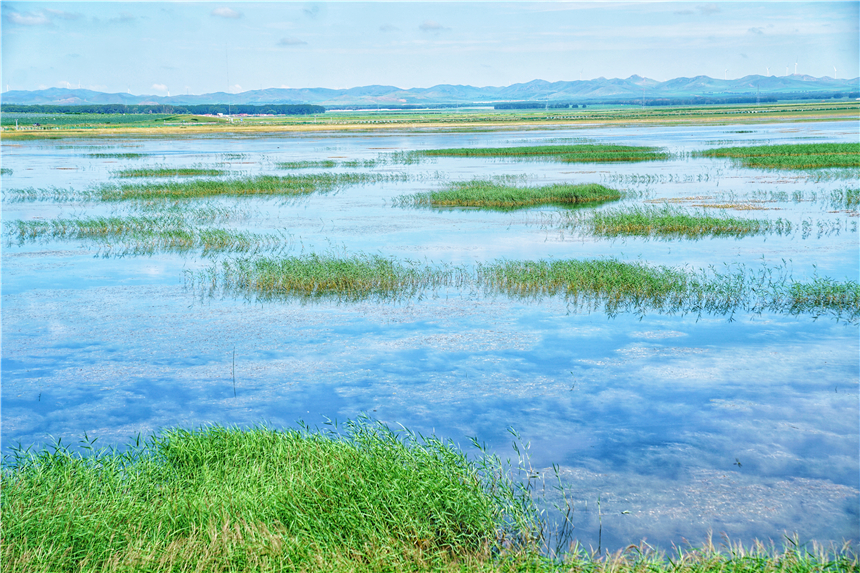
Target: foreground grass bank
585,153
364,498
796,156
615,286
489,194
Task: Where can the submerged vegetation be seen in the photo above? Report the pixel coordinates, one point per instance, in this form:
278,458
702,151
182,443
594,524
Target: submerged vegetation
615,285
289,185
168,172
793,156
586,153
361,497
495,195
145,235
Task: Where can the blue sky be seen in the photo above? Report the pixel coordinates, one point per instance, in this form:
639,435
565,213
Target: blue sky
201,47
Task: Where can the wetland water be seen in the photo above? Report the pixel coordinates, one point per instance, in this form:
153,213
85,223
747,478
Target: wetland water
680,424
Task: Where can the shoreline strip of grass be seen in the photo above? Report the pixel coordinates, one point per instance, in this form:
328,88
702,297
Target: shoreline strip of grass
490,194
794,156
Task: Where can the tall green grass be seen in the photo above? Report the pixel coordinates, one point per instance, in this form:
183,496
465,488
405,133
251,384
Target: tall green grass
360,498
136,235
225,499
593,153
615,286
491,194
795,156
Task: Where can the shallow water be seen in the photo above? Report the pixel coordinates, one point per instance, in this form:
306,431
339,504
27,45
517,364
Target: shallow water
746,425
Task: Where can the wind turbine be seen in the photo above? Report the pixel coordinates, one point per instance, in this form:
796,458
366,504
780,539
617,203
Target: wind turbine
834,73
786,70
726,75
795,67
768,71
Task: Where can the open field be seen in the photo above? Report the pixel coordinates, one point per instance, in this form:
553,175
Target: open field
478,119
799,156
364,498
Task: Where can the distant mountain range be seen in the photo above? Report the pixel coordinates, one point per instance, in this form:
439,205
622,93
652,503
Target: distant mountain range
599,89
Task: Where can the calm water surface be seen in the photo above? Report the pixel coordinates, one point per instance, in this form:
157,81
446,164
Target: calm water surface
747,425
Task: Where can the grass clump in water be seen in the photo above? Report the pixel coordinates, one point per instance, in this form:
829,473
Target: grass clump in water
138,235
129,155
795,156
617,286
669,222
168,172
225,499
316,276
564,153
323,164
494,195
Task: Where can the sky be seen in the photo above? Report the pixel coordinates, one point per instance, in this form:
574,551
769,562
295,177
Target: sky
201,47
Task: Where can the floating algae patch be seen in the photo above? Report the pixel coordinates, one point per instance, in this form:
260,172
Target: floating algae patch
145,235
672,222
168,172
289,185
563,153
482,193
614,285
795,156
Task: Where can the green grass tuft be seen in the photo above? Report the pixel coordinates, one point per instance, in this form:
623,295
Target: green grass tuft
494,195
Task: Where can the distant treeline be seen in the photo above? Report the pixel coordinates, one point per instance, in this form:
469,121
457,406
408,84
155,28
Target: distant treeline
201,109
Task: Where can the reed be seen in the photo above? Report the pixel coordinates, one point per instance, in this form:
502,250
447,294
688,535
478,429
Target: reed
491,194
324,164
795,156
588,153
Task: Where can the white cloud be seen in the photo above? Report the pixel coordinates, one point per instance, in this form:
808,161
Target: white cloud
291,41
28,19
159,87
431,26
63,15
225,12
